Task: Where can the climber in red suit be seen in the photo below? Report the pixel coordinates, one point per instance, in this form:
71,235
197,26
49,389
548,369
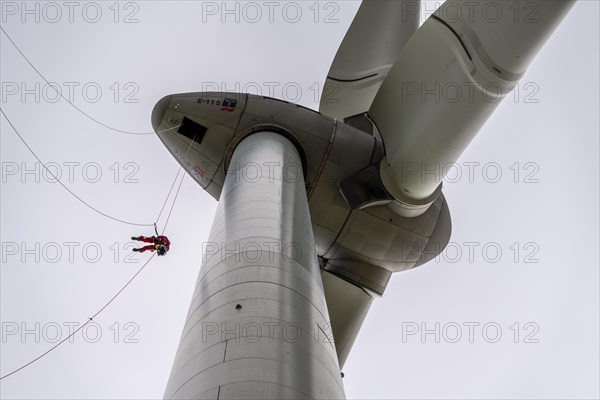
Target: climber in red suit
159,243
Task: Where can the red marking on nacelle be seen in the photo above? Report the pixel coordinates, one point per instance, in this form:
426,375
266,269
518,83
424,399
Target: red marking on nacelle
199,170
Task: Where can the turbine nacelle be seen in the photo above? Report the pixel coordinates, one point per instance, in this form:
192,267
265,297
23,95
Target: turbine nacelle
341,168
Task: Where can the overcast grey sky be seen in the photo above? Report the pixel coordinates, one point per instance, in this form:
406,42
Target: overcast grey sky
524,199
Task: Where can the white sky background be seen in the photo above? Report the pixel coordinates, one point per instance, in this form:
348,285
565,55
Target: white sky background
170,50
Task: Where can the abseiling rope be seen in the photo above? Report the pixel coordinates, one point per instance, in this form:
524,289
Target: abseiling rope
106,215
73,104
81,327
62,184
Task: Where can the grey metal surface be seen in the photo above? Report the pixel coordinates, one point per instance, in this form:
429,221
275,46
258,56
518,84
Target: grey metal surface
377,34
258,325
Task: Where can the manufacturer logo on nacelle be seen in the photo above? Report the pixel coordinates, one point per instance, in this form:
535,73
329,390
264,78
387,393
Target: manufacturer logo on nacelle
226,104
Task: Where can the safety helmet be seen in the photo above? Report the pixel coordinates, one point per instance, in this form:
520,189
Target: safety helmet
161,250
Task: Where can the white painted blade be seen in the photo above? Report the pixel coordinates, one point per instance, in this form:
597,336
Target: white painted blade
375,38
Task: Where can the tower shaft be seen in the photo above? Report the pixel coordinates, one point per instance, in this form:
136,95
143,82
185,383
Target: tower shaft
258,325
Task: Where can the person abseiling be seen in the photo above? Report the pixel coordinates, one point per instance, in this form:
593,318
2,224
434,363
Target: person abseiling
160,243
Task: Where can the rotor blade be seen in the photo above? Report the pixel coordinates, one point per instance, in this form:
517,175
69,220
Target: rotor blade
348,306
447,81
375,38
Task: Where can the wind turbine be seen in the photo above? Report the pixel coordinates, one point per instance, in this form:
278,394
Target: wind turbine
317,210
